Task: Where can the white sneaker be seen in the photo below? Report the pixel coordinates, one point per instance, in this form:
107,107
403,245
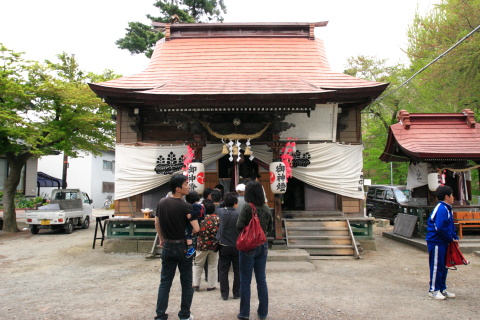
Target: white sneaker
447,294
190,318
437,295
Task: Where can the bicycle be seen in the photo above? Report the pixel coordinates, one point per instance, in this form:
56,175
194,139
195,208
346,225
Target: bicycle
108,201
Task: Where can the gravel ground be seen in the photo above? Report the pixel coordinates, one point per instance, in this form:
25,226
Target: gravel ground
58,276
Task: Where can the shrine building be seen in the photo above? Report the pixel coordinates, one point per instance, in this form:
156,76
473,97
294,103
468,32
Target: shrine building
237,93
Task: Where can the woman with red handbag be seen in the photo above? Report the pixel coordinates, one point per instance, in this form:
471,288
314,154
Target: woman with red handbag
254,260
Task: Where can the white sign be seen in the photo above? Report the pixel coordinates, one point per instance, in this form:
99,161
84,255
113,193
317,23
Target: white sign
321,125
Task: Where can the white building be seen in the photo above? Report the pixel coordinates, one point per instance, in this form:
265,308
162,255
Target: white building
93,175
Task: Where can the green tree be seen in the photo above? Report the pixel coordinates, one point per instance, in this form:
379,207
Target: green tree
46,108
452,83
141,38
378,116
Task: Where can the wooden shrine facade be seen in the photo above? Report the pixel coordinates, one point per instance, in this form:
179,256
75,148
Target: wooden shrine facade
261,83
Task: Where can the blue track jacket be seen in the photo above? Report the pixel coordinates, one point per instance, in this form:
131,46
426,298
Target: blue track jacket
440,227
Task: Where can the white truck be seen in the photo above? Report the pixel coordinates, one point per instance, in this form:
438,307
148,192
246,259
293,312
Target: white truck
68,208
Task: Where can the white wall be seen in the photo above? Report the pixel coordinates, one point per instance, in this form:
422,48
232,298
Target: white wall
85,172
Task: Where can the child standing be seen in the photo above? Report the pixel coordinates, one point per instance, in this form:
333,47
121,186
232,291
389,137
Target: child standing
440,232
197,213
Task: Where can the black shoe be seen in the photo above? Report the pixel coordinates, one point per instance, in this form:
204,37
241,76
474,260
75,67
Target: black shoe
225,298
211,289
196,288
242,318
236,297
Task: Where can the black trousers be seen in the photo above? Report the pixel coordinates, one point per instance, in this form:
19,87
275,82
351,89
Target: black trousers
228,257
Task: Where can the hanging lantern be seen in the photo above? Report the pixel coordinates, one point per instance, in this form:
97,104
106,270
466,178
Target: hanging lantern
278,177
434,181
196,176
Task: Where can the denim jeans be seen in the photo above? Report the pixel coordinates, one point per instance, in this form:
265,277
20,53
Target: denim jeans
256,261
173,255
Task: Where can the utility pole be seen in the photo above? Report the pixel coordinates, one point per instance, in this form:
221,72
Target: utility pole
64,175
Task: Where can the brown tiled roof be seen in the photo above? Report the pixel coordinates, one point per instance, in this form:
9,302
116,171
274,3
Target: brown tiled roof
433,137
242,67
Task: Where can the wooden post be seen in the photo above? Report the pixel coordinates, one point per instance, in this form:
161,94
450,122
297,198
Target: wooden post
276,146
197,145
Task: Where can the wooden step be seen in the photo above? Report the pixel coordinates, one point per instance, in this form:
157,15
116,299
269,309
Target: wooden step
320,237
310,237
317,232
326,246
315,224
311,214
326,241
315,228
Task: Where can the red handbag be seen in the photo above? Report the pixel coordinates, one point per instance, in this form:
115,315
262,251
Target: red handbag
455,256
252,235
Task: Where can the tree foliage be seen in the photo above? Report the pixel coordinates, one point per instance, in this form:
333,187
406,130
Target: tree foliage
141,38
46,108
378,116
452,83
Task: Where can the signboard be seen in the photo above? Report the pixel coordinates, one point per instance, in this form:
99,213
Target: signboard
321,125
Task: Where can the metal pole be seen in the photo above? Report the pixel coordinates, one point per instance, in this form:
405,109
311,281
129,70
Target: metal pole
391,173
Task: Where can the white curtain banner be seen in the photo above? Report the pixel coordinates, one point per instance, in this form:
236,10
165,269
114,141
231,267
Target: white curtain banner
418,175
328,166
142,168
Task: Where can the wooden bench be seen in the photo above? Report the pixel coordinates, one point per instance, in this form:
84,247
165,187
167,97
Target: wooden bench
466,219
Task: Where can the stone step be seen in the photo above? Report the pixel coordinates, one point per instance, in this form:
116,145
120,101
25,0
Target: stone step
330,252
293,254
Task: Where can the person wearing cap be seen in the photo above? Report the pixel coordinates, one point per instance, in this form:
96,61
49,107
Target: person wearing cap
241,192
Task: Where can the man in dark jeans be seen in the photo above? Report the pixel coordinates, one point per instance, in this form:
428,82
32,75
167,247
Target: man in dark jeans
170,222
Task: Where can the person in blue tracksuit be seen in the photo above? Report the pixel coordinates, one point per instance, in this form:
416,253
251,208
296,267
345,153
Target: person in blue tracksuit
440,232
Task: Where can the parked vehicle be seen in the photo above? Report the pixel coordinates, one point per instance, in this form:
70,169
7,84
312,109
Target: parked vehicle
384,201
68,208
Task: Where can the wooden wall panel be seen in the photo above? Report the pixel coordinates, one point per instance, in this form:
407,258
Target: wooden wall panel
352,132
154,134
319,200
125,133
122,206
211,179
351,205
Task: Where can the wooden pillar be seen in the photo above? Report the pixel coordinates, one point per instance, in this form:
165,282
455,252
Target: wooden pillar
276,146
197,145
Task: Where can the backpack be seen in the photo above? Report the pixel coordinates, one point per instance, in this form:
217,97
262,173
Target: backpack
252,235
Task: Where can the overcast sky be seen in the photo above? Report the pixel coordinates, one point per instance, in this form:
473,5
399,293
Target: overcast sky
89,28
